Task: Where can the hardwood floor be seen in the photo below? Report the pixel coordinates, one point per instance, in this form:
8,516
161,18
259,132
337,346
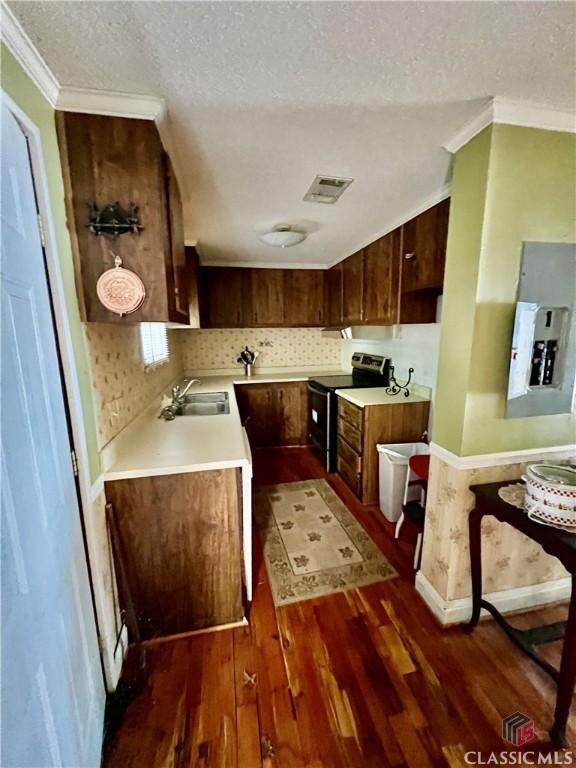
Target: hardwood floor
354,680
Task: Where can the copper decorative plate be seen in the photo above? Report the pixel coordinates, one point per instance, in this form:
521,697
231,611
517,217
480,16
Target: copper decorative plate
120,290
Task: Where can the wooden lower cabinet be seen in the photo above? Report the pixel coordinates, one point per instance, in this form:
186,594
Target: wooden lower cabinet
361,429
274,414
180,541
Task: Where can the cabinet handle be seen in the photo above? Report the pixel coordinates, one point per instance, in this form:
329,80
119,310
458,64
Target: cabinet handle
409,256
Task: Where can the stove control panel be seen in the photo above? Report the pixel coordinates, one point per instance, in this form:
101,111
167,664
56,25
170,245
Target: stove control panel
375,363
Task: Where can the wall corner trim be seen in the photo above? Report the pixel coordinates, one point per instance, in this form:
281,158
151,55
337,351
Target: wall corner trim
27,55
523,114
517,599
505,457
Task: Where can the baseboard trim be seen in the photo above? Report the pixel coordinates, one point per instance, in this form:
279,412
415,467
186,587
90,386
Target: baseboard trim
449,612
504,457
243,622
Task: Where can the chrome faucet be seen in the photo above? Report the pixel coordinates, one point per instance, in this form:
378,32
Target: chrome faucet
168,413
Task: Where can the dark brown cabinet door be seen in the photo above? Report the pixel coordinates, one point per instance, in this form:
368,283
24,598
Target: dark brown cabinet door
333,296
115,159
303,297
222,292
353,288
274,414
382,279
424,249
258,413
266,298
176,267
291,405
181,551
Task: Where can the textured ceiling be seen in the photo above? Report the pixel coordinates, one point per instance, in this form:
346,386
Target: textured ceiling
265,95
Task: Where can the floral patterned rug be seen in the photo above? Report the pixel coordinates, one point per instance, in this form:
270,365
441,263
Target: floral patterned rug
313,544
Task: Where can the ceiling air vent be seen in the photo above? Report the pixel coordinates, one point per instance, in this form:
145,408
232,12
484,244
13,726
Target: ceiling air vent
326,189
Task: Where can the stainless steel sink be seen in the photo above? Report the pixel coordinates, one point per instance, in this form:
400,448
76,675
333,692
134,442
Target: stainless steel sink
204,404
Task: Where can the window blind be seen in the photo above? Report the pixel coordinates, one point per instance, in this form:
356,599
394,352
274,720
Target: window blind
154,343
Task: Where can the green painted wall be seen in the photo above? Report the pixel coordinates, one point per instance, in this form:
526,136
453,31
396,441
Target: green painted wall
530,195
20,88
469,184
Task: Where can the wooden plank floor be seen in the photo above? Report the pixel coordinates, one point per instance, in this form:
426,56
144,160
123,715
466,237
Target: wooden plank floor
353,680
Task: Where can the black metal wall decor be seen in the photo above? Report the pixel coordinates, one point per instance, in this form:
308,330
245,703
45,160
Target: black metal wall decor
114,220
395,387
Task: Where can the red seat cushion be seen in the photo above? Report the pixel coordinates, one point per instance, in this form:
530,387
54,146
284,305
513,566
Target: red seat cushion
420,465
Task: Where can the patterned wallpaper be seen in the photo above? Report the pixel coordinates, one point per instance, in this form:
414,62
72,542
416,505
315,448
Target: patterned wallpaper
509,559
121,387
278,347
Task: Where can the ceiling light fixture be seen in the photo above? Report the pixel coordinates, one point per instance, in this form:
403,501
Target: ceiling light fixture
283,236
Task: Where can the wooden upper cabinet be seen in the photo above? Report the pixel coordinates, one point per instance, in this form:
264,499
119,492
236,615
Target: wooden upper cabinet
353,288
114,159
176,267
333,296
424,249
266,298
222,296
303,297
192,284
382,279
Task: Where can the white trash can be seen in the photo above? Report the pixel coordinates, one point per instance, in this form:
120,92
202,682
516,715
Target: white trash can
393,467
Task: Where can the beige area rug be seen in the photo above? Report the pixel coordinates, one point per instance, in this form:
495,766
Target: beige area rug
313,544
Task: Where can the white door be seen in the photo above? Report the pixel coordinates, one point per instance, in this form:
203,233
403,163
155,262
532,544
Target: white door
52,686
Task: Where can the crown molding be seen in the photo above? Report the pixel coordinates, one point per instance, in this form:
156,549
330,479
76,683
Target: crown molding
472,128
111,103
436,197
533,116
523,114
24,51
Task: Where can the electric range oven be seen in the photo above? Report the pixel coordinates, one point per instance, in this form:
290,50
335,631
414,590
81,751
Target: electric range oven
367,371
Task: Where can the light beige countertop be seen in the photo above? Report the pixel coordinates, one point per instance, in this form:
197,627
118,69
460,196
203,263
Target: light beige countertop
151,446
378,396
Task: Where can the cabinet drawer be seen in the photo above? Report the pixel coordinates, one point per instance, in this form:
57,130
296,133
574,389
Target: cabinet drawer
350,434
350,413
348,456
351,479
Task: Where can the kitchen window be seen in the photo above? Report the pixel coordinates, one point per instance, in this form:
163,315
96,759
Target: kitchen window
154,344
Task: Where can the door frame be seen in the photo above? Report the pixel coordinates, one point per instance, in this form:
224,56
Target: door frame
73,399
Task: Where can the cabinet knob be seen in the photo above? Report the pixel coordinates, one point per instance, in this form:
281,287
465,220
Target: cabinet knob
409,256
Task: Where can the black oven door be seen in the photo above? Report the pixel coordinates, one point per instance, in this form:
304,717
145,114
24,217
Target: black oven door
319,404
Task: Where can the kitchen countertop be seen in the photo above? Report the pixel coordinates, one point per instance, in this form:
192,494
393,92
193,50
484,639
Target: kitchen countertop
151,446
378,396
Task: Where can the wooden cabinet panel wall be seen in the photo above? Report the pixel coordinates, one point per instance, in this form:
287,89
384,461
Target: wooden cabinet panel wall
180,537
266,298
374,286
382,280
109,159
233,297
424,249
274,414
333,296
304,296
353,289
223,292
361,429
382,287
